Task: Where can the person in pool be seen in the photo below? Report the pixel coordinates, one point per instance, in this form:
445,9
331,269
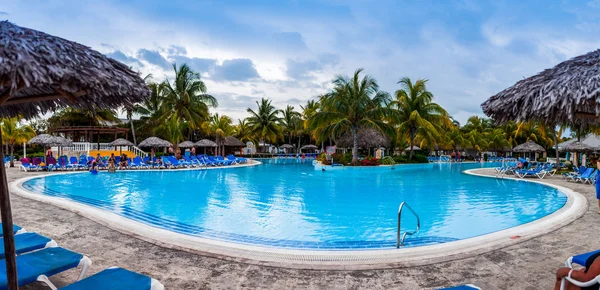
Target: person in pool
591,270
94,167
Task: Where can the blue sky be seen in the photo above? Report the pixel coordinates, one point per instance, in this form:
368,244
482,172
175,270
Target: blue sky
289,51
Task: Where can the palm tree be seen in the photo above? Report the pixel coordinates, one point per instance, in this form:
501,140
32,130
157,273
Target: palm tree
14,133
129,114
308,110
172,130
186,97
265,122
414,111
243,131
354,103
497,140
289,121
220,127
533,131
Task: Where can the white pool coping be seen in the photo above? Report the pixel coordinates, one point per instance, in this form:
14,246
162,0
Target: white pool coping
574,208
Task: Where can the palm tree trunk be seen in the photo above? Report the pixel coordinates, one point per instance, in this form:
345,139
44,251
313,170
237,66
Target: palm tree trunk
132,131
412,143
355,145
12,153
556,146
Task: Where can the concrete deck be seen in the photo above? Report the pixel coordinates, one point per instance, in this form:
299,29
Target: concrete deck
527,265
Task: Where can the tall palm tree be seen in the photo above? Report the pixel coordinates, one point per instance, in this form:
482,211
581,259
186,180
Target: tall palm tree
308,110
220,127
533,131
172,130
414,111
14,133
497,140
289,121
265,122
186,97
243,131
354,103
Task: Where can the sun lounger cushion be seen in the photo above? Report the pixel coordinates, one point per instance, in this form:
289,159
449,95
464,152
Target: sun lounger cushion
113,279
26,242
47,262
15,229
463,287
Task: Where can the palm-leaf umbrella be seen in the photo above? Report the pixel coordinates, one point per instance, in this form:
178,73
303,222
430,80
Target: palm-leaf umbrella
577,147
414,148
46,141
313,147
367,138
40,73
154,142
121,142
231,141
186,144
205,143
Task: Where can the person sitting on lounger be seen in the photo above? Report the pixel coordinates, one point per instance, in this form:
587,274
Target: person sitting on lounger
123,164
585,274
111,162
99,159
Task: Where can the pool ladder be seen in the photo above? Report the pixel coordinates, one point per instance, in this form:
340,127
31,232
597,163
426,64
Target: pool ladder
400,241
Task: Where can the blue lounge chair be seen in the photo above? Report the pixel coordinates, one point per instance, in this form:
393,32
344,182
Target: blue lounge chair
538,171
174,163
576,171
590,179
462,287
586,174
26,166
16,230
27,242
138,163
39,265
582,260
116,278
225,161
191,162
183,162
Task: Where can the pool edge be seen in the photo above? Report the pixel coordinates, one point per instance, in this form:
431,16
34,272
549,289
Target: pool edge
574,208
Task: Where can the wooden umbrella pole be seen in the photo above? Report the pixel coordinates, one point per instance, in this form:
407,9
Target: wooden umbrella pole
7,228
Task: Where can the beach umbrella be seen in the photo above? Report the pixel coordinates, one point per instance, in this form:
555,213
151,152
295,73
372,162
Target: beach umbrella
231,141
121,142
40,73
154,142
367,138
46,140
529,147
186,144
286,146
414,148
205,143
565,94
313,147
577,147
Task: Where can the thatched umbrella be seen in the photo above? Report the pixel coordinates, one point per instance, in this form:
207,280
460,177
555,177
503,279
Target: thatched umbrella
286,146
313,147
529,147
577,147
565,94
413,148
205,143
186,144
367,138
121,142
231,141
40,73
46,141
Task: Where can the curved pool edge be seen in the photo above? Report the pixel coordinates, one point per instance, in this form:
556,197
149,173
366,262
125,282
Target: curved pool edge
574,208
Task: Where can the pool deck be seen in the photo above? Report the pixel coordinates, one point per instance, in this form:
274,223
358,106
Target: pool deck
527,265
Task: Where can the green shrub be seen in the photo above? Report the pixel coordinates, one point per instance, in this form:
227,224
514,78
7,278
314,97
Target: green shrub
387,161
542,159
418,158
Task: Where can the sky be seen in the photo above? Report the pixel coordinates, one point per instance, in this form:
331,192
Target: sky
289,51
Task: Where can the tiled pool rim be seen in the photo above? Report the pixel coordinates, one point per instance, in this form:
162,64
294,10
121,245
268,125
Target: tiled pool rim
575,206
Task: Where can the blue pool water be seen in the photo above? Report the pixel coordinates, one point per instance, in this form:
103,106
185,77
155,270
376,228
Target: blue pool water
286,203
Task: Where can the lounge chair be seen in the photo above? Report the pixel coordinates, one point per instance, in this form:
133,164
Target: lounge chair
225,161
115,278
27,242
26,166
190,161
583,260
183,162
138,163
538,171
585,174
39,265
462,287
74,163
576,172
174,162
17,230
238,159
590,179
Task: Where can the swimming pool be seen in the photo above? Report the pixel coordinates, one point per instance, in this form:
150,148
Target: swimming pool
286,203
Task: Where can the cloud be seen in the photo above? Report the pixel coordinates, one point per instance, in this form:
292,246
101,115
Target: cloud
200,65
239,69
153,57
3,13
289,41
176,50
301,69
120,56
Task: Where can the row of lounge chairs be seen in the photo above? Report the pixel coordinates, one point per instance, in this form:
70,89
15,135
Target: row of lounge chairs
39,257
540,171
85,162
582,174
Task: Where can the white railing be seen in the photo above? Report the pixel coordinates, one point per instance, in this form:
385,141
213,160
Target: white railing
85,147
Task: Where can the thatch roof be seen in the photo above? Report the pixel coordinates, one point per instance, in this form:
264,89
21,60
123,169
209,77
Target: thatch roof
233,142
45,140
367,138
553,96
529,146
40,72
577,147
186,144
308,147
205,143
120,142
286,146
591,140
154,142
62,141
414,148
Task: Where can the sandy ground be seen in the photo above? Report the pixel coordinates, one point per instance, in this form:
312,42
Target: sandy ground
528,265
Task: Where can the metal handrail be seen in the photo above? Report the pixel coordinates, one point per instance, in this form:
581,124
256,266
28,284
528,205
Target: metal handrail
400,242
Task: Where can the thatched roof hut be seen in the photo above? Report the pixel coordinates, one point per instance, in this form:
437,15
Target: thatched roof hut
120,142
205,143
286,146
565,94
577,147
529,146
44,140
154,142
40,72
308,147
186,144
367,138
231,141
413,148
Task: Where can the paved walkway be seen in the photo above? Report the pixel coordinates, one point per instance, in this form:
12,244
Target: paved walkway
528,265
